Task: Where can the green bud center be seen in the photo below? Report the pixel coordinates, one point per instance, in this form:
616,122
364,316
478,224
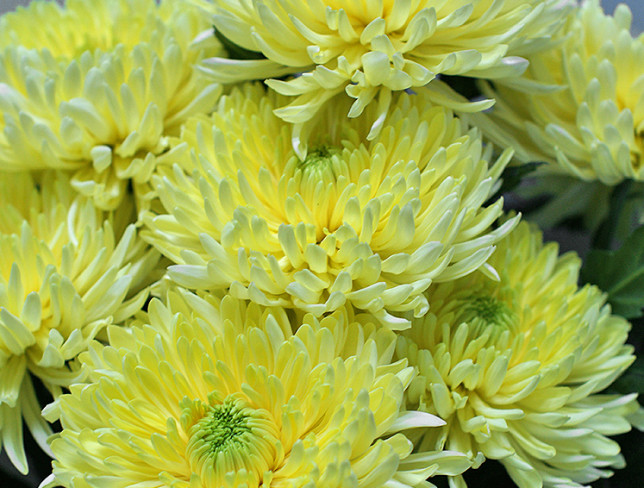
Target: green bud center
320,156
485,312
230,437
320,165
223,427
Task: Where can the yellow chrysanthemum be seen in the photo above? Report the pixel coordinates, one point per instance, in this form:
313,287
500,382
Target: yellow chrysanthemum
64,275
589,121
368,223
372,48
97,87
514,367
223,394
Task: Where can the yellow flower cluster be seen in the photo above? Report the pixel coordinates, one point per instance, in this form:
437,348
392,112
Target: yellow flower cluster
218,393
65,274
342,301
97,87
370,49
580,107
514,367
366,223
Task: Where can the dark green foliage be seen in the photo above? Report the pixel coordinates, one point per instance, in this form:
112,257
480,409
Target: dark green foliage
620,274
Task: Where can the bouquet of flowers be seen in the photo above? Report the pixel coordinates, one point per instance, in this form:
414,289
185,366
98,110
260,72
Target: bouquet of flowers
287,243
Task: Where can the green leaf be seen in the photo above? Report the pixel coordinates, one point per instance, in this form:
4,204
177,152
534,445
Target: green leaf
620,274
632,381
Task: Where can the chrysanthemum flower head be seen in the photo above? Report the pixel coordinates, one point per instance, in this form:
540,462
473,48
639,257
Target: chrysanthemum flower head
97,87
370,49
587,119
210,393
514,367
64,275
366,223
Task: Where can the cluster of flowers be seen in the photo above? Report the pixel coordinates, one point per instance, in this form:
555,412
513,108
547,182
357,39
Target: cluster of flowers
274,256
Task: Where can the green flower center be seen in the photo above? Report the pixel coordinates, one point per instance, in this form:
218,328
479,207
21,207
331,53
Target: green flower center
224,427
319,162
320,155
231,437
315,180
485,312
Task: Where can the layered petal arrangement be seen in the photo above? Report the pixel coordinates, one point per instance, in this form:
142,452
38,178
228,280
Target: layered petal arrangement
587,119
370,224
64,275
262,243
370,49
514,367
98,86
218,393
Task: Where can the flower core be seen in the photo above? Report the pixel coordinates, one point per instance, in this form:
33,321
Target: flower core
231,436
483,312
319,157
221,429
